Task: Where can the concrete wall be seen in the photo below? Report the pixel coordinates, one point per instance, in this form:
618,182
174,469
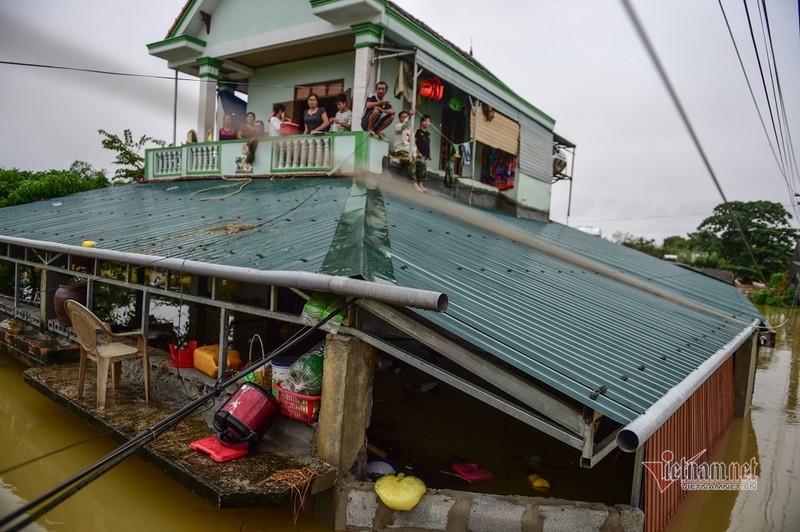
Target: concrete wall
357,508
276,84
247,18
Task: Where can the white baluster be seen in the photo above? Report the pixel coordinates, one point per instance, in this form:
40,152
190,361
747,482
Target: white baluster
304,153
279,147
296,153
320,152
326,153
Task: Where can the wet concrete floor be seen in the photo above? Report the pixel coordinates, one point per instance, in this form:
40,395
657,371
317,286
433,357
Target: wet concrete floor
243,482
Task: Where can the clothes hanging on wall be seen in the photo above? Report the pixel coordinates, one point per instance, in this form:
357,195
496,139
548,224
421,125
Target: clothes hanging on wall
466,153
498,168
404,83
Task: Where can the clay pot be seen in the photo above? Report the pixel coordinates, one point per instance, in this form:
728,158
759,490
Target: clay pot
68,291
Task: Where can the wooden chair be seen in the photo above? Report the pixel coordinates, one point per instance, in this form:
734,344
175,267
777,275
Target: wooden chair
111,353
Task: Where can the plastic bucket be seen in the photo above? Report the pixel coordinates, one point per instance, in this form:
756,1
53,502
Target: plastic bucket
246,416
280,371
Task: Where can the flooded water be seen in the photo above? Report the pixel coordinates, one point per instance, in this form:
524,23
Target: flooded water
134,496
771,433
137,496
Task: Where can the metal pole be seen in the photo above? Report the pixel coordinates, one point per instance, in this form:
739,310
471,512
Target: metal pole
223,343
475,139
412,148
397,295
571,177
175,111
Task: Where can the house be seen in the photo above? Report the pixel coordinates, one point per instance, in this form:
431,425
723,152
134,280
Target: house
344,47
592,346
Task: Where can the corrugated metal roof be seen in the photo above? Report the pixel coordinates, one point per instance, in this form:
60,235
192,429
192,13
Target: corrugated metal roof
572,329
281,224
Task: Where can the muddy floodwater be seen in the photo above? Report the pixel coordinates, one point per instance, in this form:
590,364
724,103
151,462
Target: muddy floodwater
137,496
771,433
134,496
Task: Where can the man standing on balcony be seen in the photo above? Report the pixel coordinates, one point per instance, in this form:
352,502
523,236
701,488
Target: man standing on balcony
378,112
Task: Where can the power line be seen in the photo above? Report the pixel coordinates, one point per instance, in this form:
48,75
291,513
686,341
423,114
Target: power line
791,152
789,183
682,112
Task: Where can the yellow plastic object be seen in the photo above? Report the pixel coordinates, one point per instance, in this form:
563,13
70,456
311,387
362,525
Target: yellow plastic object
88,243
399,492
206,359
538,483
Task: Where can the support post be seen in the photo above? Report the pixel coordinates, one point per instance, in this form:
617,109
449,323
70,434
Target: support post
744,375
346,400
368,34
636,483
207,106
223,342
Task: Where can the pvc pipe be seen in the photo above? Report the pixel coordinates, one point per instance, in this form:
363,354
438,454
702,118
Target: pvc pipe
394,295
631,437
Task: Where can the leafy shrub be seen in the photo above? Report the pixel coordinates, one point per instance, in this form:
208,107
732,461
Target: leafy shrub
21,186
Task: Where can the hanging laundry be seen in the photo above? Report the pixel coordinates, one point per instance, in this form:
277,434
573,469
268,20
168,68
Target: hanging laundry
466,154
404,84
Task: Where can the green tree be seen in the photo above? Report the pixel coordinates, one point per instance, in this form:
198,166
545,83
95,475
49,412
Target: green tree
638,243
129,157
766,227
21,186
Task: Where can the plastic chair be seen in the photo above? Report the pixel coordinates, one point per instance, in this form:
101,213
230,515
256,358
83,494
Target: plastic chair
88,327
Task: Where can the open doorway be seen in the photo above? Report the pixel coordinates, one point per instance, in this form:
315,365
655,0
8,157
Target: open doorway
327,91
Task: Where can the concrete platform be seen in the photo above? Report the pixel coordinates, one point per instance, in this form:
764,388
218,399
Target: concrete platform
243,482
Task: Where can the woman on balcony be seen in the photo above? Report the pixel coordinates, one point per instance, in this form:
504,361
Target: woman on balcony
315,118
227,132
248,129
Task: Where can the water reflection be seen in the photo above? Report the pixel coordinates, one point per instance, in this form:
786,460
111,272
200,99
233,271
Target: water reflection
769,432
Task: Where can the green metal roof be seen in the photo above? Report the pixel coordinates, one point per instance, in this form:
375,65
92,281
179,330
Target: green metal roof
576,331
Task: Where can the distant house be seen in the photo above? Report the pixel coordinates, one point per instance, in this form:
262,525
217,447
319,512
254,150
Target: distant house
596,346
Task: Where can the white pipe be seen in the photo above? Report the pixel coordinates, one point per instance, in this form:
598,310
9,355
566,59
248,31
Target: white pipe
395,295
640,429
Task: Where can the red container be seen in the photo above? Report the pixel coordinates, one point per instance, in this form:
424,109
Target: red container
246,416
289,128
300,407
183,357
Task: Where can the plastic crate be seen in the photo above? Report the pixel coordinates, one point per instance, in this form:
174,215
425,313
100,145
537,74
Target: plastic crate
297,406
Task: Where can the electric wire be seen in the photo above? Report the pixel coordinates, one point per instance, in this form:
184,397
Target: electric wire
764,83
651,52
791,154
772,68
789,184
66,489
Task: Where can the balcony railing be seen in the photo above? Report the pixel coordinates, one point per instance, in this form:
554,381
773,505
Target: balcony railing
345,153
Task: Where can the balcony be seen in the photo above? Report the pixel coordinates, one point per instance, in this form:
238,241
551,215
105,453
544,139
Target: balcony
345,153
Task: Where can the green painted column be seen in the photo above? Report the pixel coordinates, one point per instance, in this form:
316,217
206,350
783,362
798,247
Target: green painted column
207,105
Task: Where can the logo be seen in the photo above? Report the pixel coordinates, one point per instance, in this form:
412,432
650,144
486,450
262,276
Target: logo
695,475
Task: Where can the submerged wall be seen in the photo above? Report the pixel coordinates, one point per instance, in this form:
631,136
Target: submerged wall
358,509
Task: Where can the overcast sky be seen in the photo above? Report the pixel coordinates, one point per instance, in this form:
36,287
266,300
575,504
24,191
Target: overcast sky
579,61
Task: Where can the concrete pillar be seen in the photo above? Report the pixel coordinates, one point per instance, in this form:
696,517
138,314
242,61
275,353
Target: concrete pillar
207,106
744,375
346,400
367,35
